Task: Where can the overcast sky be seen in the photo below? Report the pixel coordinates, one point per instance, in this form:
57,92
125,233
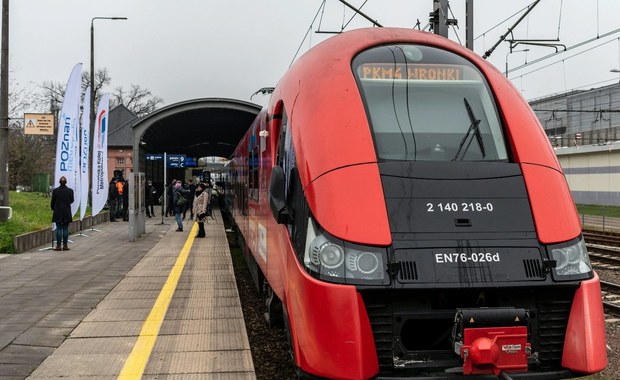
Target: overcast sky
184,49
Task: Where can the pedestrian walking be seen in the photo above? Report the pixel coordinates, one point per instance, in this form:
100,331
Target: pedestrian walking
62,197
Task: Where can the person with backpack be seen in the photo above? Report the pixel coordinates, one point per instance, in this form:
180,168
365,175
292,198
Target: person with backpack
179,201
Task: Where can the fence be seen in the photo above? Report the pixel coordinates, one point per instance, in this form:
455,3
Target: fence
600,222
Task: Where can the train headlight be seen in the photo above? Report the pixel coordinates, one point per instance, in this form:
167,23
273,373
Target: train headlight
334,260
571,261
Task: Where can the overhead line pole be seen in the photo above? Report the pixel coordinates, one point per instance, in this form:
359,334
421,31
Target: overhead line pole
4,107
469,24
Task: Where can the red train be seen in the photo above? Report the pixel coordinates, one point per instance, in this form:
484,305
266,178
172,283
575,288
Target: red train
405,216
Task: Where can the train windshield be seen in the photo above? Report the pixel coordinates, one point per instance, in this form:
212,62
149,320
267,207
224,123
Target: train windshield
427,104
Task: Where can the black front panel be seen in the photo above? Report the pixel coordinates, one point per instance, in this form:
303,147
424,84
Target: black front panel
456,198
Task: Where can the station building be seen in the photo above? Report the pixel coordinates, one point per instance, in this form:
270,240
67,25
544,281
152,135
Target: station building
583,126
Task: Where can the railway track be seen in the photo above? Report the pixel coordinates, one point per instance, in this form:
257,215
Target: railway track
611,290
603,238
604,248
604,254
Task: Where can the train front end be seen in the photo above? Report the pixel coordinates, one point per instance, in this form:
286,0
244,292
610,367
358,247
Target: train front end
448,244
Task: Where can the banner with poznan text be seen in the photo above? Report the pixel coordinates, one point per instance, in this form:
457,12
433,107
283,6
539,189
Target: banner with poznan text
100,156
84,153
67,144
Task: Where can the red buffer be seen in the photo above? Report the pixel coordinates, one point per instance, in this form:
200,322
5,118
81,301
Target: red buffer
495,349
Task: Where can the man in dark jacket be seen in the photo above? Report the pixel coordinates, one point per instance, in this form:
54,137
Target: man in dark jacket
62,197
190,199
150,197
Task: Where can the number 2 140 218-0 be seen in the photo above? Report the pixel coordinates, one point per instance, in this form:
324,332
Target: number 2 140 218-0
463,207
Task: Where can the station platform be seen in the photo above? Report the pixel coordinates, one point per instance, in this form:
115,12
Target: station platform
163,307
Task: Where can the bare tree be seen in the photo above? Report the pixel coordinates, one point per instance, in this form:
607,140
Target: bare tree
28,154
138,100
54,92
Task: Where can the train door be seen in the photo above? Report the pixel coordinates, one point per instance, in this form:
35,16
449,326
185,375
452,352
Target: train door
253,189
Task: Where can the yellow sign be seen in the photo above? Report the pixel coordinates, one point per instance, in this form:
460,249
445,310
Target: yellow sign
410,71
39,124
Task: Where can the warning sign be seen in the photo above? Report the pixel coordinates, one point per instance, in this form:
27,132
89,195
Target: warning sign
39,124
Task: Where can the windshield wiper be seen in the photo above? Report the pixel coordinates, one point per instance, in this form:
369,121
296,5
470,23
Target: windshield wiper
474,126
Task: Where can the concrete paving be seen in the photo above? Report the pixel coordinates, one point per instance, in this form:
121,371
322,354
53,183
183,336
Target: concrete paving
79,313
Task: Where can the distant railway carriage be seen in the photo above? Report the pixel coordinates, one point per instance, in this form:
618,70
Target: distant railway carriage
405,216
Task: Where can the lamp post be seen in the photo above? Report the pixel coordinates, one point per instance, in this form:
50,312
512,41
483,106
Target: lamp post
92,67
616,71
4,106
513,51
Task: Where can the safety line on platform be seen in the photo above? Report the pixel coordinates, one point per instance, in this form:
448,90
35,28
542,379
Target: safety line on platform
139,356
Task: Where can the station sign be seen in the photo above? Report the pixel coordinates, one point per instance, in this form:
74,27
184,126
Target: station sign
176,161
154,157
39,124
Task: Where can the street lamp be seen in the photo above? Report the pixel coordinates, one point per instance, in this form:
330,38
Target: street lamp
92,67
616,71
513,51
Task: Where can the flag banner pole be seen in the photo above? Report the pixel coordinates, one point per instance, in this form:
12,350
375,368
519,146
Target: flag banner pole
100,156
84,154
67,146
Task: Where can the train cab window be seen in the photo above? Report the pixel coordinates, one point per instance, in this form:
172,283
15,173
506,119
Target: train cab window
427,104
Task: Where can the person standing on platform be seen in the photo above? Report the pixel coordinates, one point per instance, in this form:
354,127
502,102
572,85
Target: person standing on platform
170,205
179,202
125,201
150,197
190,199
200,204
62,197
113,199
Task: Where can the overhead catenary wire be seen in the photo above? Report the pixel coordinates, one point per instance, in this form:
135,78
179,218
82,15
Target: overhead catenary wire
502,22
564,51
454,26
354,14
307,32
560,18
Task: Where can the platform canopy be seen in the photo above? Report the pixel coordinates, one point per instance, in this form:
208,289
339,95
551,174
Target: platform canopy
196,128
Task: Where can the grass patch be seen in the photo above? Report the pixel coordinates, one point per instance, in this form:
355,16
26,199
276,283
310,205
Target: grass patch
31,212
612,211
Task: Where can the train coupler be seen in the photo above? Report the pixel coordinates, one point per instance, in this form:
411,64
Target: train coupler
492,341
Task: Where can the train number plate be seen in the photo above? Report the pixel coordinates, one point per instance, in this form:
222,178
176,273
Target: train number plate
467,257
